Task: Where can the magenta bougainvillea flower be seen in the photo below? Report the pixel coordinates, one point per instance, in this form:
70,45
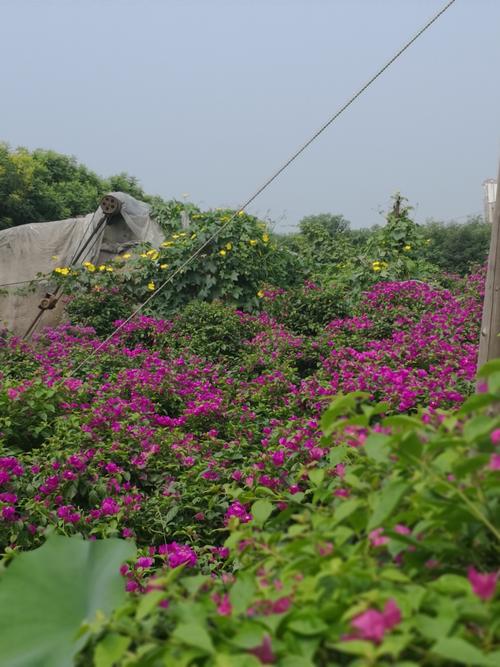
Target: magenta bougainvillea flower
373,624
483,584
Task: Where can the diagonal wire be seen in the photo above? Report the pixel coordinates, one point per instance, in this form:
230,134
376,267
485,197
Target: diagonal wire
272,178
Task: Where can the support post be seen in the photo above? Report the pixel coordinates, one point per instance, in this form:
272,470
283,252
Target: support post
489,343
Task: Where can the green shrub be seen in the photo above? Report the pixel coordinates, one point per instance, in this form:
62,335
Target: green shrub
211,330
306,310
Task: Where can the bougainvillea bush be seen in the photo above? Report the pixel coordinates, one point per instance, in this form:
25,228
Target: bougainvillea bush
271,528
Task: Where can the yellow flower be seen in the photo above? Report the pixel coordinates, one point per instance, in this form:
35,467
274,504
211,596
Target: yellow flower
260,293
182,233
240,213
89,266
163,266
407,247
102,267
193,236
109,268
62,270
222,252
229,246
175,236
253,242
167,244
127,255
151,286
377,268
265,238
143,254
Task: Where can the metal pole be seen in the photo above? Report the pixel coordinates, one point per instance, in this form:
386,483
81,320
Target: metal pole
489,343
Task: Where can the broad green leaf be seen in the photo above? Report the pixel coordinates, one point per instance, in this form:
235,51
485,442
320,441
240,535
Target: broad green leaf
242,593
478,427
110,649
476,402
489,368
148,602
307,626
386,501
377,447
459,650
232,660
317,475
345,510
261,510
194,634
46,595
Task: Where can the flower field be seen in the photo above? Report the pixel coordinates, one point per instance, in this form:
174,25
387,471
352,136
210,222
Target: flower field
314,483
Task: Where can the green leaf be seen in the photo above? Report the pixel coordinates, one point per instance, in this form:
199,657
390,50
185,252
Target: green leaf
148,602
110,650
386,501
476,402
478,427
460,650
339,406
489,368
307,626
317,475
261,511
241,594
377,448
46,595
345,510
194,634
338,454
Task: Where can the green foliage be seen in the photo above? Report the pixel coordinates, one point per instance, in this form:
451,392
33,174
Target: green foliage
25,424
47,594
424,507
391,253
307,309
232,267
211,330
323,243
457,247
44,185
98,309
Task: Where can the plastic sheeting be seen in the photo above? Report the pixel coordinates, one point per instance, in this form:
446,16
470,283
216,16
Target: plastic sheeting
28,250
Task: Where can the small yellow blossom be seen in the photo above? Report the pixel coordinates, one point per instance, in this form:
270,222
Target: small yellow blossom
260,293
229,246
143,254
407,247
167,244
253,242
265,238
109,268
175,236
102,267
377,268
193,236
182,233
222,252
89,266
163,266
63,270
127,255
240,213
151,286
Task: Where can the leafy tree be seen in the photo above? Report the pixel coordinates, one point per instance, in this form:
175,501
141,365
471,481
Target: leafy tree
45,185
455,247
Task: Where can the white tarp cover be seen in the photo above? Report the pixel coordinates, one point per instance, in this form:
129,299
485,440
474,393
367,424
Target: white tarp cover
27,250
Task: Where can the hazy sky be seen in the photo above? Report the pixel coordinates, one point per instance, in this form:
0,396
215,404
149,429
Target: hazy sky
209,97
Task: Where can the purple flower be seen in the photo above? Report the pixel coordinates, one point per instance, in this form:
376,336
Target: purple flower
109,507
483,585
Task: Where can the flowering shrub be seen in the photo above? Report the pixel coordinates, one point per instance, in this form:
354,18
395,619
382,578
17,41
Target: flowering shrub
232,267
272,526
